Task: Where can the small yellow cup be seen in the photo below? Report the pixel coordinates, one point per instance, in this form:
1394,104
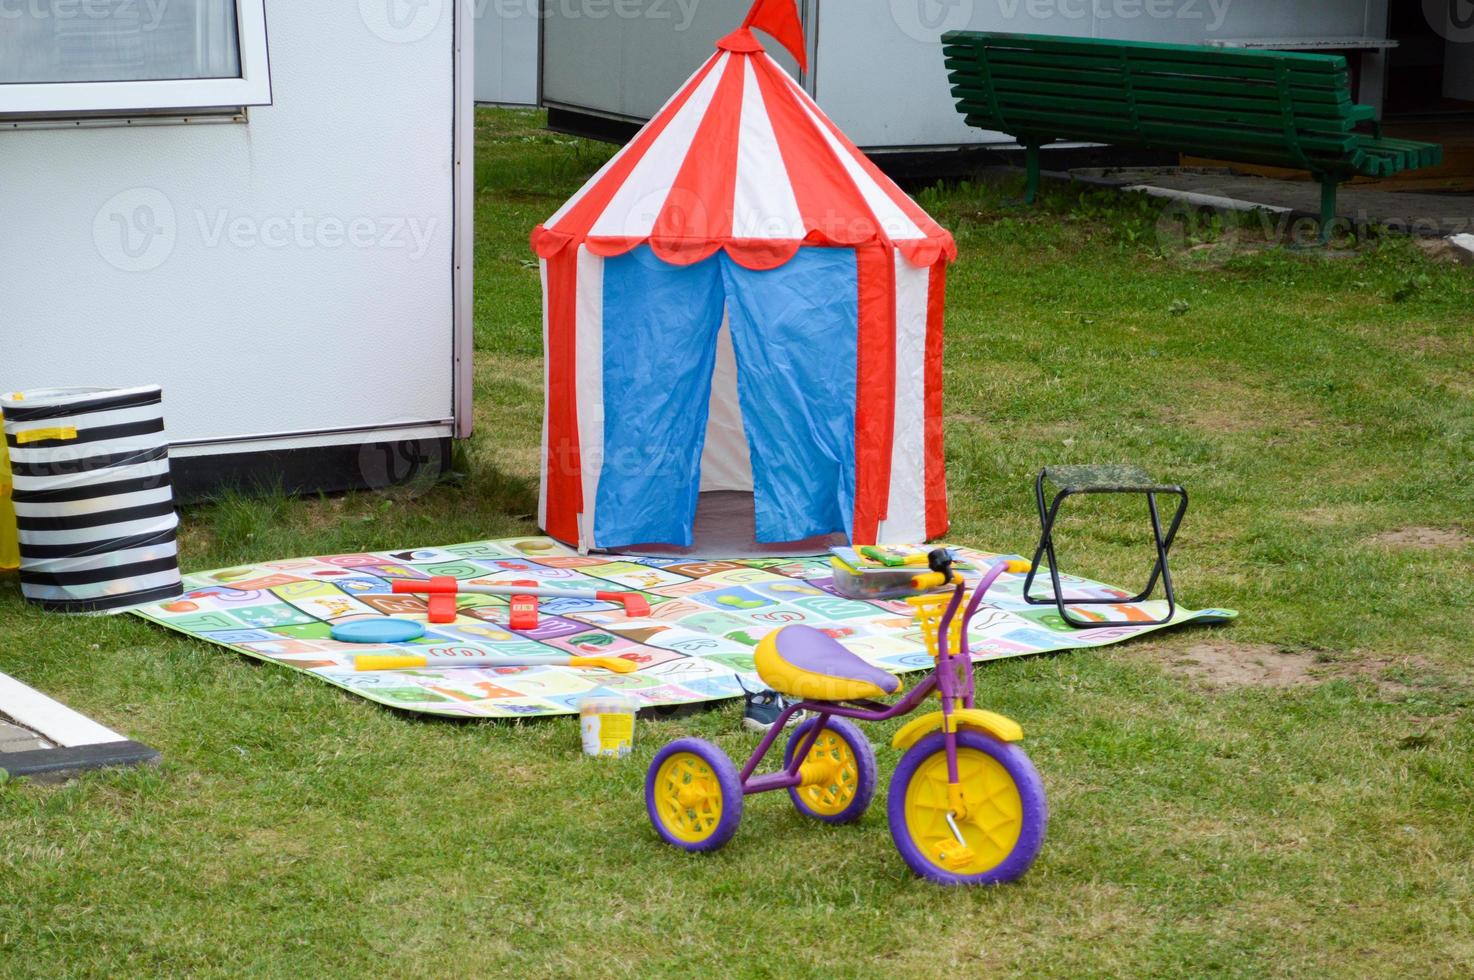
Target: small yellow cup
607,725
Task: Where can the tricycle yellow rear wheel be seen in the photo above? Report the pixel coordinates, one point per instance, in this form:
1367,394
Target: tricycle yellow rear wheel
693,795
839,771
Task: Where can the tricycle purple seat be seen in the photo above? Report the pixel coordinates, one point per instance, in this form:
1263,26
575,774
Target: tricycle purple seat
965,806
803,662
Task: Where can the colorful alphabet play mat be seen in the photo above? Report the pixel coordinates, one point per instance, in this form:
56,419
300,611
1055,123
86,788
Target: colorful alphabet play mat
695,645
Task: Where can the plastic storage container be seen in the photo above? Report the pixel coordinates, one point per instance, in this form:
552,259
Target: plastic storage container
873,583
608,725
93,499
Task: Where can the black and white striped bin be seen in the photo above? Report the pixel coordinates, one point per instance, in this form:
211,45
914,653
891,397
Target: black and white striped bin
94,503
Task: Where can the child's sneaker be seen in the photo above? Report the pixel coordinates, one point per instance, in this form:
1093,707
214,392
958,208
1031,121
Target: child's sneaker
762,710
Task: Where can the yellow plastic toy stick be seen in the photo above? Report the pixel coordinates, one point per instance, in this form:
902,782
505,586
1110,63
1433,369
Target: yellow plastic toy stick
412,661
926,581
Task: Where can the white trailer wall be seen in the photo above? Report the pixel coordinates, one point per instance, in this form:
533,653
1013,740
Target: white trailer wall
878,112
507,37
301,279
876,66
627,61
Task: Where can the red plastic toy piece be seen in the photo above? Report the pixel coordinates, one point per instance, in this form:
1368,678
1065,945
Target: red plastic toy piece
524,613
635,605
442,584
443,607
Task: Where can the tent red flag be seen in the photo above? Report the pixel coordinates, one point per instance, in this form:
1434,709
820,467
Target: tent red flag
779,18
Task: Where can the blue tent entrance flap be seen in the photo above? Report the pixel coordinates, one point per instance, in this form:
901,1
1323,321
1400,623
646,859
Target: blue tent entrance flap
660,345
794,330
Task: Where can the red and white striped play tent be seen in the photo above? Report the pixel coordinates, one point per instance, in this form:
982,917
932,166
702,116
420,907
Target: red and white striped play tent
740,300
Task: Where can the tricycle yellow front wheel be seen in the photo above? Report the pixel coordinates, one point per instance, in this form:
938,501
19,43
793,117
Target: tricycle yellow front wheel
1002,821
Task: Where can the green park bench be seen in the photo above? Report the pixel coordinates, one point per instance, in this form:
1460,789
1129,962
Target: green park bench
1274,108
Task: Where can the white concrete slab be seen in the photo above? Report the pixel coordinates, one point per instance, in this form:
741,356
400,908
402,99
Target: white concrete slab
50,718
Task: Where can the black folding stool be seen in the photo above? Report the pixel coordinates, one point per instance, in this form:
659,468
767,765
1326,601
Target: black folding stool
1073,480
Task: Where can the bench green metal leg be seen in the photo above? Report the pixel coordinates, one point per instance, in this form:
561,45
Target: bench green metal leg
1327,209
1031,182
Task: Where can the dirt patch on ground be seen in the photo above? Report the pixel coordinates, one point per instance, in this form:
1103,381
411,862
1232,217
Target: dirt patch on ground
1220,406
1437,345
1225,665
1224,406
1443,251
1422,538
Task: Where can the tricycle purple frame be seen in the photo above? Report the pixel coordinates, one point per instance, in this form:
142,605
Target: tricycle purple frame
966,805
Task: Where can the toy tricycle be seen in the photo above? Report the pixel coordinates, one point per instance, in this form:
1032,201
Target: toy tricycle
966,805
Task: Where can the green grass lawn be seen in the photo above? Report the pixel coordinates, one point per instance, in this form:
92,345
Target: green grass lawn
1290,794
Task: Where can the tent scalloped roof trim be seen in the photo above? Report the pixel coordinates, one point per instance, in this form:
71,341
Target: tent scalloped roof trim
743,133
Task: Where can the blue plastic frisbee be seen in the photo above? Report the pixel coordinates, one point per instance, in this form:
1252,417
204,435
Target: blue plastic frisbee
378,631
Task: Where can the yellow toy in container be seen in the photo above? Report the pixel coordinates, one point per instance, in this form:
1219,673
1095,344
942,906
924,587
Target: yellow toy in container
608,725
872,573
9,544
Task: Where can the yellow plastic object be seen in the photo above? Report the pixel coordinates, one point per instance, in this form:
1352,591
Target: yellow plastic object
955,857
928,610
618,665
388,661
992,815
27,436
956,800
1002,728
830,774
9,544
796,682
688,797
926,581
410,661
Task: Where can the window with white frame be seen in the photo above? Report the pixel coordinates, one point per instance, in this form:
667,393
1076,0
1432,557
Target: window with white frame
60,57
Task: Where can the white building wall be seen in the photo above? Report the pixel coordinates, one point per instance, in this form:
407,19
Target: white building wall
293,274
